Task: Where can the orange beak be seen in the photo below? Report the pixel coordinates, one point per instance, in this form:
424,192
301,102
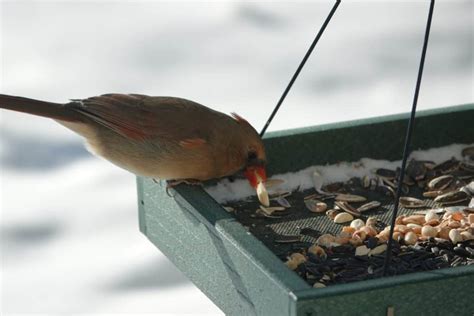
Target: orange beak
255,175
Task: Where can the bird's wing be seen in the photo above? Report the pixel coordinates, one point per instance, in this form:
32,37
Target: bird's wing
141,117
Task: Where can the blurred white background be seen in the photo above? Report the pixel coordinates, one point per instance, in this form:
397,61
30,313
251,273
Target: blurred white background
69,230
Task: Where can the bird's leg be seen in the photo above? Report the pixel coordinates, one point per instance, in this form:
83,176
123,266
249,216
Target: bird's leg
168,192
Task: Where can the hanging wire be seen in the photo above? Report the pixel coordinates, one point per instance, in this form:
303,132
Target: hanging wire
302,63
406,148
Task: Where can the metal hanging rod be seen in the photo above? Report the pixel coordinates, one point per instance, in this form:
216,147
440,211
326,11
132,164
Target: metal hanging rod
300,67
406,148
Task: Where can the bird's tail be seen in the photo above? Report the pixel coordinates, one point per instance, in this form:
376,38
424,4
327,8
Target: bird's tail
52,110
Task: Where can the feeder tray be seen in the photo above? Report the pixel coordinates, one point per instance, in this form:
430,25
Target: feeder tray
244,277
299,218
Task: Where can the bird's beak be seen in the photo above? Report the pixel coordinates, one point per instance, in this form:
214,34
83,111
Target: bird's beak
257,176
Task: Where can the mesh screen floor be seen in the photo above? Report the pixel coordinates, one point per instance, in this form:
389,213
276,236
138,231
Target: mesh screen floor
300,221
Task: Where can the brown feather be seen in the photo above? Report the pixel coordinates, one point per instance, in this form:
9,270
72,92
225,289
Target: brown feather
141,117
160,137
192,143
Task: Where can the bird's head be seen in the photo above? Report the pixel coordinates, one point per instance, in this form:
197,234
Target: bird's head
253,153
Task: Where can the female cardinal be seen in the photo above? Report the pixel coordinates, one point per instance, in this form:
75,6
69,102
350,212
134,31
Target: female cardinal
159,137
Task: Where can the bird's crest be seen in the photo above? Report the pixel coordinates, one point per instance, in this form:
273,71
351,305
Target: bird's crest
239,118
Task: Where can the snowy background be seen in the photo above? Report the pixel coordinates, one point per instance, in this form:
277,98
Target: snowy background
69,229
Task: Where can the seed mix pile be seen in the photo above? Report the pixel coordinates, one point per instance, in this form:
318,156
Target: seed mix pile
338,233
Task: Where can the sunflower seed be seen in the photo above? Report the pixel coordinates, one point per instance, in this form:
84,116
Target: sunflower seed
378,250
386,190
347,208
411,202
362,251
452,197
271,183
447,166
432,194
435,210
343,218
350,198
275,195
441,182
271,210
283,202
262,194
286,239
368,206
315,206
260,213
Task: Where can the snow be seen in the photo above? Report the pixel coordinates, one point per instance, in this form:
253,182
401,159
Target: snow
225,191
69,229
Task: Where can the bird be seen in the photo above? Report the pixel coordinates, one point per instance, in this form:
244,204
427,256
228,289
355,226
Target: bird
159,137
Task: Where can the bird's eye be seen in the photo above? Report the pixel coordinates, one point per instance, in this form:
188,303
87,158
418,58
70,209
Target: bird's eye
252,155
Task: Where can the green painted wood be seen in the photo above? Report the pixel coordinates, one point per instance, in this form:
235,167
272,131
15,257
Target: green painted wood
242,277
189,245
212,249
377,138
443,292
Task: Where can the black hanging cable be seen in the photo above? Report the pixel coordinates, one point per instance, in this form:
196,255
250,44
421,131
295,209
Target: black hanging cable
303,61
407,141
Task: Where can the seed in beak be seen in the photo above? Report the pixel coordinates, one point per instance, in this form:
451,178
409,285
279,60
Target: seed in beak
263,194
256,176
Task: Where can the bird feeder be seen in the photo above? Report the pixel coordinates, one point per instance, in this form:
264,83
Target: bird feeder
244,277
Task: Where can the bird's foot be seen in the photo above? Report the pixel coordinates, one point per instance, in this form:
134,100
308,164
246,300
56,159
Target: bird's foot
172,183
